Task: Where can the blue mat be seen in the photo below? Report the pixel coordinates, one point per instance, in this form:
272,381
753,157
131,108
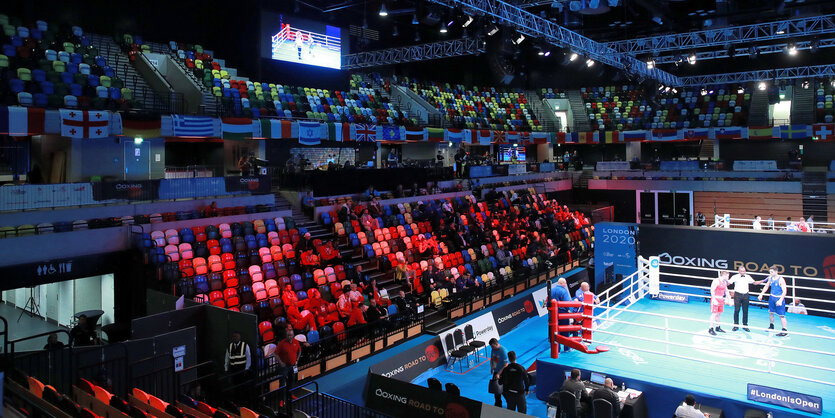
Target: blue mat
529,342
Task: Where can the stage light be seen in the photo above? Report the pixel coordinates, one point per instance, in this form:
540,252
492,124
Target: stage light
761,85
675,90
573,56
791,49
519,39
541,53
443,28
467,22
805,84
753,51
740,90
691,59
657,19
138,140
650,64
415,19
492,30
547,53
383,11
450,23
704,92
589,62
515,145
660,87
710,91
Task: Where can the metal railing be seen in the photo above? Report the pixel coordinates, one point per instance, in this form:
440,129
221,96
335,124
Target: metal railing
770,225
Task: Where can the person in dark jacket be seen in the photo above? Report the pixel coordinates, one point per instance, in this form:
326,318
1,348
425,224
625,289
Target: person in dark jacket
576,386
607,392
515,384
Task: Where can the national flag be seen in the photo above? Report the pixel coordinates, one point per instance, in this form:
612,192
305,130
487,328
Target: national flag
763,132
560,137
572,138
634,136
237,128
85,123
696,133
389,133
139,128
499,137
795,131
541,137
455,135
612,137
279,129
364,132
194,126
310,132
667,135
22,121
414,133
733,132
338,131
589,137
435,134
512,136
823,132
484,137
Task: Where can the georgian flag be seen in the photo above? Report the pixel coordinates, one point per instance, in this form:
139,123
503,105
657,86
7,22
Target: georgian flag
85,123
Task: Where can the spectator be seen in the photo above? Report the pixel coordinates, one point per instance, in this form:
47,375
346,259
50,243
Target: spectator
811,223
515,384
797,307
238,357
398,192
308,204
370,192
757,224
498,361
688,409
210,211
771,222
377,316
576,387
52,342
791,226
81,334
406,305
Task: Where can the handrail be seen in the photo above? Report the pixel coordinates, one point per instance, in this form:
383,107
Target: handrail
8,345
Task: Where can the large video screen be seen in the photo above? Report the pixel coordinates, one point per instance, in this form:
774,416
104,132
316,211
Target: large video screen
508,152
302,41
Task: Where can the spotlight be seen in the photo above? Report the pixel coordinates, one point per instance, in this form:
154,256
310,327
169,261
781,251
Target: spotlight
691,59
650,64
467,21
589,62
832,83
761,85
805,85
704,92
540,53
547,53
383,11
753,51
740,90
415,19
519,39
443,28
492,30
791,49
675,90
666,89
660,87
710,91
450,23
658,20
573,56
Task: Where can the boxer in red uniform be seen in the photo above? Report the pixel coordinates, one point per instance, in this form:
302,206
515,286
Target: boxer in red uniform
718,298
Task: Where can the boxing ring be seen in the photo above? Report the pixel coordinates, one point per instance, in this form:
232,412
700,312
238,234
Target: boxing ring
654,323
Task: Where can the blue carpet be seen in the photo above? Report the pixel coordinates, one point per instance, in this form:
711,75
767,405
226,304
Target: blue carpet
754,350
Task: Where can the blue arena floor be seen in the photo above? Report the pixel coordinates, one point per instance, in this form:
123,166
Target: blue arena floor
754,350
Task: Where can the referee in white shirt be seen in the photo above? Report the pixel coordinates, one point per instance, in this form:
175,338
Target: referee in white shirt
741,281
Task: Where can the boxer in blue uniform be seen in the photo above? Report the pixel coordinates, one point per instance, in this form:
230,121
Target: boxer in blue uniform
777,298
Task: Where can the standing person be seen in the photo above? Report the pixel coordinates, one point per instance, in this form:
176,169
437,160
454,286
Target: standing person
776,300
238,357
718,298
771,222
498,361
81,334
560,293
608,393
688,409
576,387
515,384
811,223
757,224
741,282
288,352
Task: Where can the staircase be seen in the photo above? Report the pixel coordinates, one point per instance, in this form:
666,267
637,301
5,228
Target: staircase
758,114
119,61
578,109
803,106
542,112
707,149
208,102
814,193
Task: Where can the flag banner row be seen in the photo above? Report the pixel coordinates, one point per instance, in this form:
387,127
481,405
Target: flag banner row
74,123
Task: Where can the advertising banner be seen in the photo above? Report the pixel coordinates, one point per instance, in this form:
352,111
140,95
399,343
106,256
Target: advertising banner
251,184
126,190
403,399
57,270
614,252
785,398
794,254
192,187
512,314
671,297
410,363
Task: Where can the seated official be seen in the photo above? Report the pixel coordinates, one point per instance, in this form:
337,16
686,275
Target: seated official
608,392
576,386
688,409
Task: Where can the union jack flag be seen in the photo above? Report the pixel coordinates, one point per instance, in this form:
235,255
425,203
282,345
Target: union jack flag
365,132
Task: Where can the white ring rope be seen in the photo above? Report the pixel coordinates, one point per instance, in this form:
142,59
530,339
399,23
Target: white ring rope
753,302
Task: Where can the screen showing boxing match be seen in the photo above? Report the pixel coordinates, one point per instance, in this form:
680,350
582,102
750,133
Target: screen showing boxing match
303,42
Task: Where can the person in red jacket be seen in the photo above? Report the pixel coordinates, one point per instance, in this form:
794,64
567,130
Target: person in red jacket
357,316
343,304
302,321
